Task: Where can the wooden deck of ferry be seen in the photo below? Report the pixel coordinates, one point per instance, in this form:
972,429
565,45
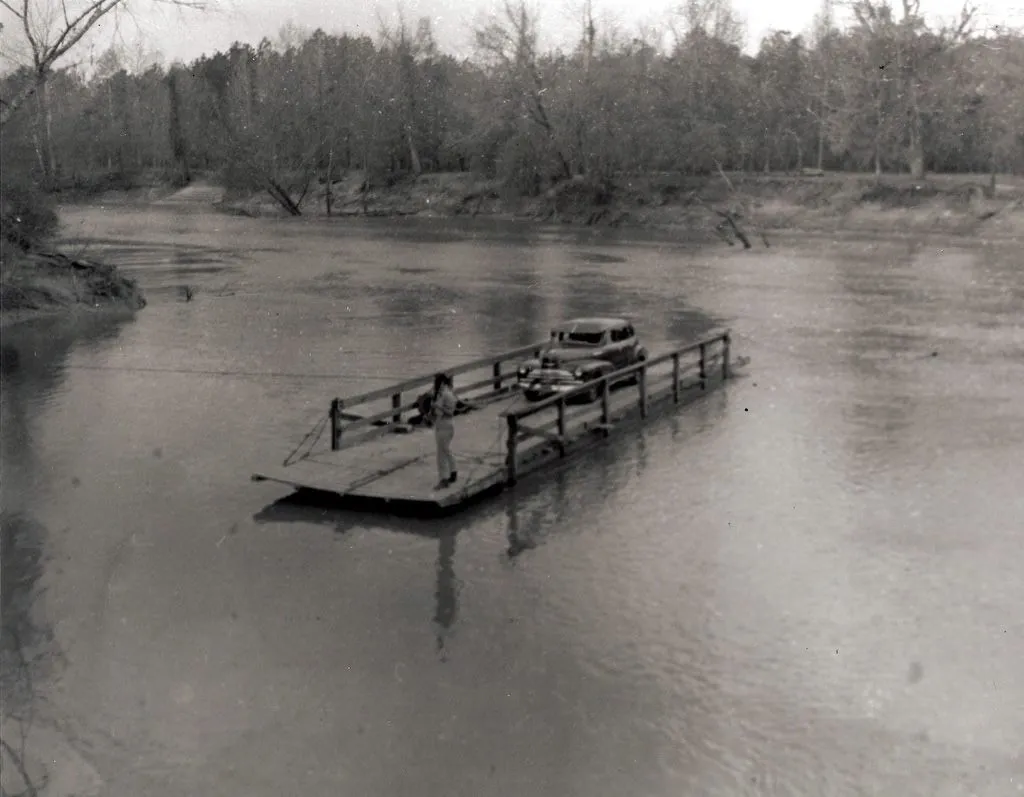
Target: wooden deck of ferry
375,459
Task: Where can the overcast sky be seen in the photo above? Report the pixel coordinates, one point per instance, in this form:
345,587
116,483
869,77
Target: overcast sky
187,35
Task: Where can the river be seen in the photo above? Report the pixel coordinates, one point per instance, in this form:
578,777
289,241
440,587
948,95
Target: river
809,583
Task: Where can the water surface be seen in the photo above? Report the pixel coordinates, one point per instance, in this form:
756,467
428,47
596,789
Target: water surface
807,584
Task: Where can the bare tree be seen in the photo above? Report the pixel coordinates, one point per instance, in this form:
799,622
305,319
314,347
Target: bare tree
407,49
915,53
823,33
508,44
52,29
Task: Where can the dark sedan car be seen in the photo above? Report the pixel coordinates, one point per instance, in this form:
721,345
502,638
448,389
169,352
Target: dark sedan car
580,351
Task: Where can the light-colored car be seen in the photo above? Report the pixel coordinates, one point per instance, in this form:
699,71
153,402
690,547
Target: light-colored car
581,350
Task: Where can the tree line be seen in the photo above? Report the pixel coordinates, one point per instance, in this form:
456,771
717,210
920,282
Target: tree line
887,92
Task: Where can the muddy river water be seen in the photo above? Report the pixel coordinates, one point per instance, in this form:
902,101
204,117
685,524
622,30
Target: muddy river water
811,583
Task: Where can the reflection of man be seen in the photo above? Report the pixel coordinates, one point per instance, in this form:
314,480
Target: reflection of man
447,588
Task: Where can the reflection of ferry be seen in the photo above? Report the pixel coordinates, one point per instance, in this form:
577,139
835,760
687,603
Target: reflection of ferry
317,508
579,351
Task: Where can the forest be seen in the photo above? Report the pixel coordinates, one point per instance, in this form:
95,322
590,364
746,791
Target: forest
887,92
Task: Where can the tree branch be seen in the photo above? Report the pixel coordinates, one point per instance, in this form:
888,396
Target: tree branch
92,14
12,105
964,26
30,787
28,35
45,55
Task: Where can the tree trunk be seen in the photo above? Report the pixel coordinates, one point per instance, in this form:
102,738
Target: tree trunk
582,129
37,145
179,146
110,126
51,155
907,68
535,108
329,196
799,150
414,156
731,221
42,133
276,191
916,154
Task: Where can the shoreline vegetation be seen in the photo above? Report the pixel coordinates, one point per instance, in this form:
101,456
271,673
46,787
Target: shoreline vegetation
700,208
37,284
693,206
739,209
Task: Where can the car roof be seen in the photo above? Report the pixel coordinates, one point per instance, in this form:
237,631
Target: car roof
591,324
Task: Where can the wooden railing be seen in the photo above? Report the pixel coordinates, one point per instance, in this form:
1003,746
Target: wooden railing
342,417
703,348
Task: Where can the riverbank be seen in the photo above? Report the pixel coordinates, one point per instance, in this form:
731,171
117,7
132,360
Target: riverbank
44,283
824,202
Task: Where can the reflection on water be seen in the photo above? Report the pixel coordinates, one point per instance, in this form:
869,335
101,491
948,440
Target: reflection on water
23,645
543,514
307,508
35,373
447,588
34,381
807,584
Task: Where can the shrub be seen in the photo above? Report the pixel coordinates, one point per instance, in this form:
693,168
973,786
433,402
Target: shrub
27,216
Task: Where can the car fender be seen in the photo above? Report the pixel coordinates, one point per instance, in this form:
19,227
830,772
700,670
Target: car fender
593,366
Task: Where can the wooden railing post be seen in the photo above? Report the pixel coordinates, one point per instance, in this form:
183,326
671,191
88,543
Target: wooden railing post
335,424
496,370
396,402
725,356
561,417
703,366
605,406
510,444
675,377
642,383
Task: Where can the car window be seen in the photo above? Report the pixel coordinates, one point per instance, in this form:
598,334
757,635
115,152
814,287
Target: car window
591,338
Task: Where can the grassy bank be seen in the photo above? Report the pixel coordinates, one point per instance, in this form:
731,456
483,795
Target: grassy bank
40,283
959,204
